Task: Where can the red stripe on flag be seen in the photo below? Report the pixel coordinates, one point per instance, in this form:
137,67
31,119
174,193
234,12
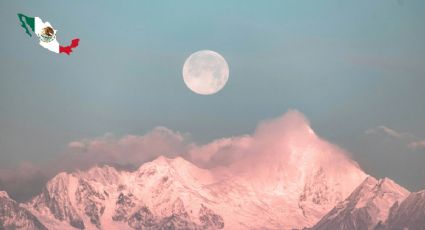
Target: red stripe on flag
68,49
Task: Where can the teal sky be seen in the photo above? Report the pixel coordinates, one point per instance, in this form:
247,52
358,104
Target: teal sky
349,66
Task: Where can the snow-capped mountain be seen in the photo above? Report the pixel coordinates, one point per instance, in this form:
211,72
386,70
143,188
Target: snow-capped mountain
13,216
301,186
175,194
409,214
163,194
367,206
290,180
284,176
278,178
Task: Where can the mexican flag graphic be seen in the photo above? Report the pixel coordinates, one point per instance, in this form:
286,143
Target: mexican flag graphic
46,34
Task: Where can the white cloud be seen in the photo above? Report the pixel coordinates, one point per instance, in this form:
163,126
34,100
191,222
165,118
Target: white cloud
406,139
417,144
283,139
126,150
389,132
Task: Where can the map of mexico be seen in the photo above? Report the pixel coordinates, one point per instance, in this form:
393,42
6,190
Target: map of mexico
46,34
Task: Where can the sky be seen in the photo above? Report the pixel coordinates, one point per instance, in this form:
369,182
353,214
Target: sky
355,69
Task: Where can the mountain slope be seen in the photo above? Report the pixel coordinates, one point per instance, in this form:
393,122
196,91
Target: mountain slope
410,214
299,175
160,193
13,216
283,176
173,193
368,205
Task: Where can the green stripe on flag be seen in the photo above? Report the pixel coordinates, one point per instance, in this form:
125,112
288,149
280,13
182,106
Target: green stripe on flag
28,21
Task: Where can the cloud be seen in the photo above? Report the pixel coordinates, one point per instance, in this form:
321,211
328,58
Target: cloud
23,181
417,145
127,150
271,135
283,142
283,139
388,131
220,152
405,139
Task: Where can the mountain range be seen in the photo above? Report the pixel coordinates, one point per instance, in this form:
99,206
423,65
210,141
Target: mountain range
175,194
297,182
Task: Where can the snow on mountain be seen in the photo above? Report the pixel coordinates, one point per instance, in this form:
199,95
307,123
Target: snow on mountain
13,216
282,177
164,192
409,214
368,205
174,193
287,178
299,176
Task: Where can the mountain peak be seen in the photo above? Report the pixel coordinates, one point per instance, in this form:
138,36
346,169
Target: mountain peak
368,205
367,185
164,163
163,159
370,181
388,185
158,162
409,214
14,216
103,174
382,191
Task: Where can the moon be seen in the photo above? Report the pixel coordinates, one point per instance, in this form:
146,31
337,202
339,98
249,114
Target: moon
205,72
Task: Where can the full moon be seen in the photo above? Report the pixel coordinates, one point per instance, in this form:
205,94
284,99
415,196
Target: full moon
205,72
